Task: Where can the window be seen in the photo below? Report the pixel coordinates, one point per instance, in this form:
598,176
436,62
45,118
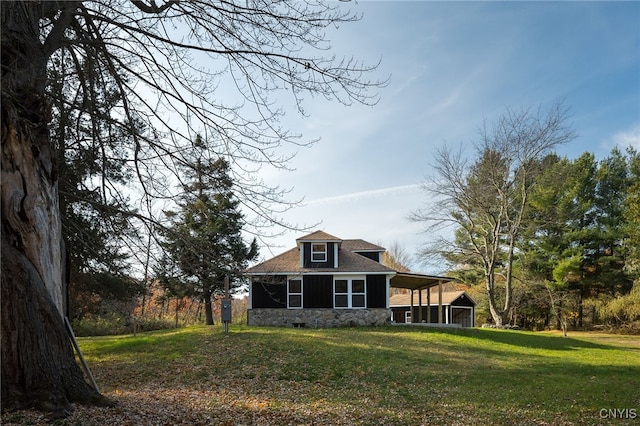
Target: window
357,294
341,293
295,294
349,293
319,252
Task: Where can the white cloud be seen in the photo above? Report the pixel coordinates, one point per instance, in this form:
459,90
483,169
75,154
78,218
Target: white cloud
364,194
629,137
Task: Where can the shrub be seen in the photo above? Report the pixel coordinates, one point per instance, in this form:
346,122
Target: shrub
114,324
622,310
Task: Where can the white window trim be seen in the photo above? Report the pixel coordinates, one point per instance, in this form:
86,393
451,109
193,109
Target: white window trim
301,255
296,278
350,292
324,252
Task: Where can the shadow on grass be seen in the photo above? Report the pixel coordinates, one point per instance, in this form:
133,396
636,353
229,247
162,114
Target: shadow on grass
394,343
523,339
386,375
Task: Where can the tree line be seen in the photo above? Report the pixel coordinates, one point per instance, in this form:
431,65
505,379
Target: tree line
547,240
198,246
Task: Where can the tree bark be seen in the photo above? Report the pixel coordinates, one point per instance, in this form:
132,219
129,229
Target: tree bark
499,317
177,312
38,365
208,311
39,369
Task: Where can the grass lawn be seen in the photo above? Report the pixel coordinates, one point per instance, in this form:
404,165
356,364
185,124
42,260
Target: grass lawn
380,376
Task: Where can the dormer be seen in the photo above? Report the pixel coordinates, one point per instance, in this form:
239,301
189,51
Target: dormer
319,250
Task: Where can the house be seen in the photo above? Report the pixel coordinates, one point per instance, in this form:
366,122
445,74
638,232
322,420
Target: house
325,281
458,308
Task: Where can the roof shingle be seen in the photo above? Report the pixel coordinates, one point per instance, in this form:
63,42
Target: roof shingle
289,263
360,245
319,236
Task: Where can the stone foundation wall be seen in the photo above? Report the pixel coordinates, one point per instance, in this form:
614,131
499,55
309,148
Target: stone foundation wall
318,317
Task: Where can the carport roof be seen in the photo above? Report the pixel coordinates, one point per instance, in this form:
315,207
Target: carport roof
417,281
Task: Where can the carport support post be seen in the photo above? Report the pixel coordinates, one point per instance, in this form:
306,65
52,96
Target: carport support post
429,305
411,306
439,301
420,306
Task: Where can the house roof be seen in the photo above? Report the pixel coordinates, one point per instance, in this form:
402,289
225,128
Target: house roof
360,245
348,262
289,263
448,297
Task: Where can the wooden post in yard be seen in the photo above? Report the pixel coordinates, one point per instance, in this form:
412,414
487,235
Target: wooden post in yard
227,299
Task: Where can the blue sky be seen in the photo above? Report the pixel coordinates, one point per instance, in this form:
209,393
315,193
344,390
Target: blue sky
453,65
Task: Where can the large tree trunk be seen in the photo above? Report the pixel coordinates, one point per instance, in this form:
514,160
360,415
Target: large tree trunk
38,365
499,317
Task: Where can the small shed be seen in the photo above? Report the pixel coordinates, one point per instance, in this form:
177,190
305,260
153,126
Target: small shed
458,308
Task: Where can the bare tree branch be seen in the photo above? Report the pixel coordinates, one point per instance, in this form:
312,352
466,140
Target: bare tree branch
486,200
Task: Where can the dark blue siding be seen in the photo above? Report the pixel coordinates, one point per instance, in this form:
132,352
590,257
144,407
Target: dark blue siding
373,255
269,293
317,291
376,291
330,257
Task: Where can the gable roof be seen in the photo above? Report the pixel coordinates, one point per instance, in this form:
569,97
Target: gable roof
319,236
448,297
289,263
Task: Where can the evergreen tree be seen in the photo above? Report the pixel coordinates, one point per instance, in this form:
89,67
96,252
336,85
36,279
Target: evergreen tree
96,224
632,216
607,257
562,222
575,240
205,238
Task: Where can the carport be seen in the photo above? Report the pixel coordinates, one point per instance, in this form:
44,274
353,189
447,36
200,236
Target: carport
420,282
